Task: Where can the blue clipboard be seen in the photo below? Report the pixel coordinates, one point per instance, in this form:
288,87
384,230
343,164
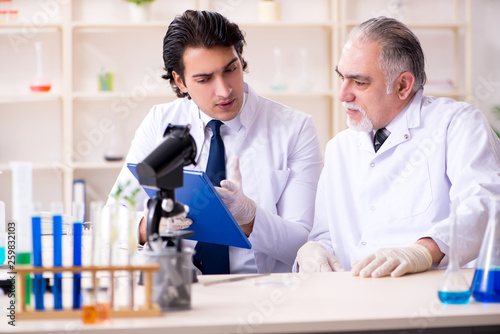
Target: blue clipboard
212,221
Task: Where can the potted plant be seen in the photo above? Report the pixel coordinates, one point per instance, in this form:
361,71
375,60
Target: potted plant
139,10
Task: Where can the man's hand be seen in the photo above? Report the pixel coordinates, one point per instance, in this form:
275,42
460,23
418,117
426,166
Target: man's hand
313,257
394,261
241,207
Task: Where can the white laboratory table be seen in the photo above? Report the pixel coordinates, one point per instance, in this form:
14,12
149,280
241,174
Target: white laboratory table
300,303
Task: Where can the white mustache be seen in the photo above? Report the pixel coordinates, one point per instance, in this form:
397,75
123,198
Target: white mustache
352,106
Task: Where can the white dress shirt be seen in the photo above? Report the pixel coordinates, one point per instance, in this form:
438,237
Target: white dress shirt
280,162
439,151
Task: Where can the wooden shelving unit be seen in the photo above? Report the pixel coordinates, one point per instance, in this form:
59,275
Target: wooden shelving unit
84,44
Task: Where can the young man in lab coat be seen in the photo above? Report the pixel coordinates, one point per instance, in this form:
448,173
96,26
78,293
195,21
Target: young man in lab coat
271,189
386,212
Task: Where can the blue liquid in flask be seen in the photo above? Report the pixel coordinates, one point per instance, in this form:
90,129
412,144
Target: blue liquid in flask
486,285
2,255
461,297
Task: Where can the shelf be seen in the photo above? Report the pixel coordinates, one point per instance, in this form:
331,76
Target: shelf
446,93
38,166
119,25
102,96
31,28
30,97
296,94
421,25
98,165
285,25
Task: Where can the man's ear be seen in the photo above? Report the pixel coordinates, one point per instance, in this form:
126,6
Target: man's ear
179,83
405,84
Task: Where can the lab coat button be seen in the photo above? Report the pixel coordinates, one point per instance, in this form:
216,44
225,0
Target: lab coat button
372,165
372,208
363,243
406,136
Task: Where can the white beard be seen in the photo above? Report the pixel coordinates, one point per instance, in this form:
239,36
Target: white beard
365,124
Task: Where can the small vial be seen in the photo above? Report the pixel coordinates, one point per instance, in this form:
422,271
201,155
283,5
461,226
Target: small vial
89,313
103,305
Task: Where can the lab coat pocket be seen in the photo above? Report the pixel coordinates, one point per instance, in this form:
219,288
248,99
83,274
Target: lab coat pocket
410,191
279,179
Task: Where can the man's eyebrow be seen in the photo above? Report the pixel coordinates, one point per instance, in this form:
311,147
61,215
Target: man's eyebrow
209,74
354,76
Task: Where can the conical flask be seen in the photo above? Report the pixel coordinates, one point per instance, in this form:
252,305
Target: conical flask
453,287
486,282
40,82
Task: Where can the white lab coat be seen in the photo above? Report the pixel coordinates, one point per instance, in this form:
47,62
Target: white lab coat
280,163
438,151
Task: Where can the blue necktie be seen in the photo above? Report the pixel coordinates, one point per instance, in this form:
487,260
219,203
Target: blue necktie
212,258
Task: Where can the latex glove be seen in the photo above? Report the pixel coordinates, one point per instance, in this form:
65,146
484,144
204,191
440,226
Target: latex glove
313,257
177,223
241,207
394,261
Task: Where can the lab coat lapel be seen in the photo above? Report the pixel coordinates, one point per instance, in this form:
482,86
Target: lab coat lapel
400,126
197,129
365,141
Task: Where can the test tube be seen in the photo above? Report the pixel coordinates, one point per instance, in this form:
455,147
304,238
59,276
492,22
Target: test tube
95,219
57,210
77,252
39,283
22,197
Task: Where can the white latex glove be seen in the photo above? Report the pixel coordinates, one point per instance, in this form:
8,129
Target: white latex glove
241,207
313,257
394,261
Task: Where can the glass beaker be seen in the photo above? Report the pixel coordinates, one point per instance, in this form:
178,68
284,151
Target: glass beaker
486,282
172,284
453,287
88,306
103,305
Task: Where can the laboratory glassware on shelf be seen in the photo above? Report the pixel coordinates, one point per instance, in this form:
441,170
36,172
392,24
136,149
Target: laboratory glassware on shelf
486,282
269,11
278,80
453,287
40,83
22,197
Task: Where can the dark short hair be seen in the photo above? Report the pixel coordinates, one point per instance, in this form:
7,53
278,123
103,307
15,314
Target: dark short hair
201,29
400,48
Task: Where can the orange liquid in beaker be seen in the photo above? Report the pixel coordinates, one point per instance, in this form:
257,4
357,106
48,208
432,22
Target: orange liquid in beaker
89,314
103,313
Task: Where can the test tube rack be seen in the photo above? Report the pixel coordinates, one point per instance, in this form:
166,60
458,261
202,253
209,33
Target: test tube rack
149,309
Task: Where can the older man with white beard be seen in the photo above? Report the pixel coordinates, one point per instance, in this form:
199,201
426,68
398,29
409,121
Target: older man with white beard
383,200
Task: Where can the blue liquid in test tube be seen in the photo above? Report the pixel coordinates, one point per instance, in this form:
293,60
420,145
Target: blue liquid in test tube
77,253
39,286
57,209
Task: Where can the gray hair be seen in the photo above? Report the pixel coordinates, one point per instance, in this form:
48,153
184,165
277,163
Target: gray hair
400,48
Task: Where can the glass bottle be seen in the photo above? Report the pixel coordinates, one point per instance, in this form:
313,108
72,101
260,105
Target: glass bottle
278,80
486,282
453,287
